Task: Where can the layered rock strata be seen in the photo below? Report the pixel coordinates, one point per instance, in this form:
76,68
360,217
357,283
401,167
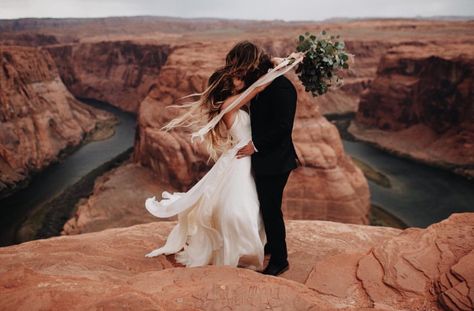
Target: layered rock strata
40,118
117,72
421,106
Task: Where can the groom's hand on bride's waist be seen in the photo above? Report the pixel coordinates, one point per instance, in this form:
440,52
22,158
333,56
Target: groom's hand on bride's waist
246,151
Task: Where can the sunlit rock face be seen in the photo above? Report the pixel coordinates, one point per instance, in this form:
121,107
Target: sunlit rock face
332,266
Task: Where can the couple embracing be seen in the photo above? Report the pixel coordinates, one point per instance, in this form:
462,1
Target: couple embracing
233,216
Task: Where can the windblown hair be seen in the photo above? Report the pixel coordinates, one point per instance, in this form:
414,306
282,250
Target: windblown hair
245,61
201,111
248,61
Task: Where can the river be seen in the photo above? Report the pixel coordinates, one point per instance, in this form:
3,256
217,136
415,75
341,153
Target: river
419,195
34,201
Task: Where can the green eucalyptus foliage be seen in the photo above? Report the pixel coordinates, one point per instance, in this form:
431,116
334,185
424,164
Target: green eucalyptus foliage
324,58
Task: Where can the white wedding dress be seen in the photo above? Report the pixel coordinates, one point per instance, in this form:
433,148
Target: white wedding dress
218,218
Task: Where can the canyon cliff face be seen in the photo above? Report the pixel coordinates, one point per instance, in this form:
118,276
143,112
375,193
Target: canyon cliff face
40,119
117,200
27,39
332,266
117,72
421,105
357,79
329,185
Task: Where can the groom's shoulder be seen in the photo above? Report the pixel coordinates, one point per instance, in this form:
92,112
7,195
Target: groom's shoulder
282,81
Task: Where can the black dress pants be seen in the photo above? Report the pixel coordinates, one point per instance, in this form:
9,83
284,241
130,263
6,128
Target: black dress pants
270,193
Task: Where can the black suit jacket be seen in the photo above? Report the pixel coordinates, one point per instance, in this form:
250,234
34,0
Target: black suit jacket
272,113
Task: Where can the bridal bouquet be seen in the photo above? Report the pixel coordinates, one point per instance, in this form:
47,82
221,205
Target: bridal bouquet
323,61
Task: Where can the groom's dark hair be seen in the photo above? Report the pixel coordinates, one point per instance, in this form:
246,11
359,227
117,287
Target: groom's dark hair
248,61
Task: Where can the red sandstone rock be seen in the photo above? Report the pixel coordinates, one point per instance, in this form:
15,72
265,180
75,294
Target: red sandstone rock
117,200
332,266
27,39
456,286
108,269
357,79
415,270
39,117
120,73
420,105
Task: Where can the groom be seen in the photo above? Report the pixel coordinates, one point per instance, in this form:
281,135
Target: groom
272,114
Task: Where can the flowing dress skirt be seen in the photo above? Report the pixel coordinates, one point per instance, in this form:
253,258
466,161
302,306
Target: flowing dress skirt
218,218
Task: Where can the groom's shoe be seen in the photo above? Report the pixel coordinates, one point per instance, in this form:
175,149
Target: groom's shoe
276,269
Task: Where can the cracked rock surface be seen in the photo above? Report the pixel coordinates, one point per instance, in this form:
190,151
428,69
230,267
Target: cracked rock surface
332,266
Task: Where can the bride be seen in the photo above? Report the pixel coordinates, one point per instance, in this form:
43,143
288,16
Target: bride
219,220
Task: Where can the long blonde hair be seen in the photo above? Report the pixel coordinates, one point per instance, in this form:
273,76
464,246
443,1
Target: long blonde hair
219,87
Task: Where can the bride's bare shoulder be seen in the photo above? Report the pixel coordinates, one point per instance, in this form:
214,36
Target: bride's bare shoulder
229,116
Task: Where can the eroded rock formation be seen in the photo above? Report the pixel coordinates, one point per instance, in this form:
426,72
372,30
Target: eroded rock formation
415,270
357,79
118,72
421,105
332,266
40,119
117,200
27,39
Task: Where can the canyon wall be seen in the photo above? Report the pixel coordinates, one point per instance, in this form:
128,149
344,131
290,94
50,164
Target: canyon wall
27,39
117,72
40,119
421,105
117,200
